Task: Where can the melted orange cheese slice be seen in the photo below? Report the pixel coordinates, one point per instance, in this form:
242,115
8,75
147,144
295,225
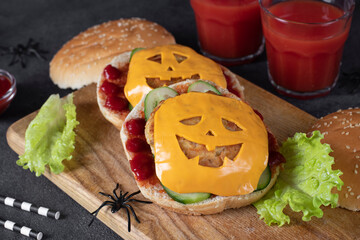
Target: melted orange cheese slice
166,63
180,174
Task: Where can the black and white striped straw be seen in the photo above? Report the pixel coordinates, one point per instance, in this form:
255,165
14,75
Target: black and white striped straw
21,229
8,201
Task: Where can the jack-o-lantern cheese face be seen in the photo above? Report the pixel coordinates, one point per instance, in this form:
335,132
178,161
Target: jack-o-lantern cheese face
190,124
165,65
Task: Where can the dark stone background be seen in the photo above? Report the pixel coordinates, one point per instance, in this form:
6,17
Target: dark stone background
52,23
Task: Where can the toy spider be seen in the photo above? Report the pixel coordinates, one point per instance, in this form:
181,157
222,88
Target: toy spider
20,52
119,202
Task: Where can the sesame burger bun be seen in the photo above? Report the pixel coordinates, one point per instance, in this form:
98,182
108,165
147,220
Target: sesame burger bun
81,60
341,131
121,62
152,189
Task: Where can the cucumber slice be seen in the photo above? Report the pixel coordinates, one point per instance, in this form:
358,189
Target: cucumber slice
130,107
156,95
264,179
187,198
201,86
134,51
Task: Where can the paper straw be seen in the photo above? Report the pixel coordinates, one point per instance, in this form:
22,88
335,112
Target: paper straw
21,229
29,207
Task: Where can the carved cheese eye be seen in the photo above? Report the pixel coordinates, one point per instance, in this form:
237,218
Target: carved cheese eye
156,58
231,126
191,121
179,58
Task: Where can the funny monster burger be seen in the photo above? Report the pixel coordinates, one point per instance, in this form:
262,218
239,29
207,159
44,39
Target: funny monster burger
196,148
132,75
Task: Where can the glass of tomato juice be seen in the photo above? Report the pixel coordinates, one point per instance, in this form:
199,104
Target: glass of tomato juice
304,43
229,31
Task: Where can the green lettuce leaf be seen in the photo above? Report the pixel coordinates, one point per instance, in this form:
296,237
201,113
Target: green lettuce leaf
50,137
305,182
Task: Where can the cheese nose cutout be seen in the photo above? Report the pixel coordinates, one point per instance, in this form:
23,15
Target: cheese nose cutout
210,133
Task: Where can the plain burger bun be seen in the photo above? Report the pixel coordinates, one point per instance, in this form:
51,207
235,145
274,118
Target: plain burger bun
341,131
81,60
153,190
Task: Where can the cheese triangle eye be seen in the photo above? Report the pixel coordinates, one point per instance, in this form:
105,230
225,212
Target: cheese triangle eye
231,126
179,58
155,58
191,121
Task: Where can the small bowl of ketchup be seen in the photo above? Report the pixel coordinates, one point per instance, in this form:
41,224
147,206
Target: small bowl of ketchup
7,89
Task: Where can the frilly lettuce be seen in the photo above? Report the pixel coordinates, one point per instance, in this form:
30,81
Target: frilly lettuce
305,182
50,137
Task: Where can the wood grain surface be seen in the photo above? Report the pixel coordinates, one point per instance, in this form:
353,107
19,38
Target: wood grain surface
99,163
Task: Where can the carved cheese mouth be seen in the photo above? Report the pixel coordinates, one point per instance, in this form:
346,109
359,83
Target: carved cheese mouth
156,82
208,158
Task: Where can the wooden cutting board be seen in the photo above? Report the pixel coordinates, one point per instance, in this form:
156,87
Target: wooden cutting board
99,163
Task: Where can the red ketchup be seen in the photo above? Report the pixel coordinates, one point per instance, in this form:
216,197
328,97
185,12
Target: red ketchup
136,145
136,126
142,161
7,89
143,166
113,89
275,157
111,72
305,57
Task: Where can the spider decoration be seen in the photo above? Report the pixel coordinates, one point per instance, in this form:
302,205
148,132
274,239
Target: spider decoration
119,202
20,52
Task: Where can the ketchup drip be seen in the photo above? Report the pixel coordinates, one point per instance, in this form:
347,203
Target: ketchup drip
142,163
113,88
110,88
143,166
111,72
136,145
135,126
116,103
275,158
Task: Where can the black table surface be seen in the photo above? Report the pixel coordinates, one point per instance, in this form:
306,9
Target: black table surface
52,23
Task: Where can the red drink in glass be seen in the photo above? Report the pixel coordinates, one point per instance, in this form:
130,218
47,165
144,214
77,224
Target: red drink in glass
229,31
304,44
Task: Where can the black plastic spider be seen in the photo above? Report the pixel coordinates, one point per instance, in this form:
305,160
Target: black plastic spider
119,202
20,52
